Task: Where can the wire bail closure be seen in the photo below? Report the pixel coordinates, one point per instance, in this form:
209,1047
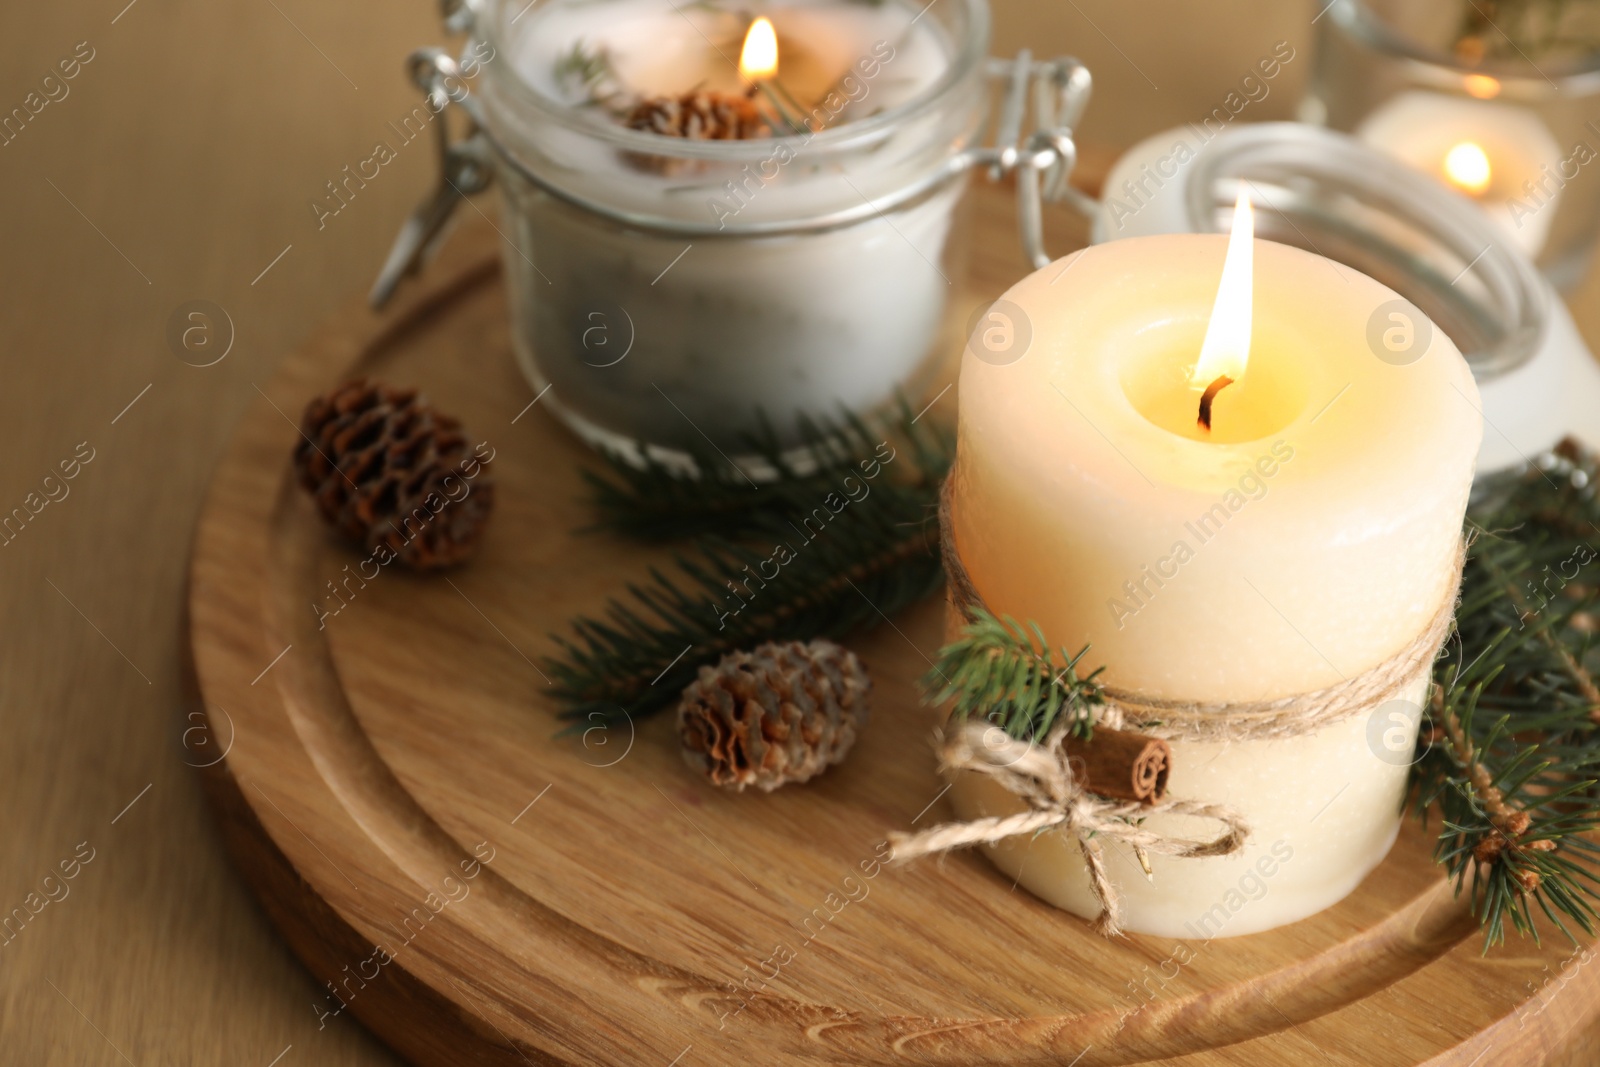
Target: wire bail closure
465,167
1041,164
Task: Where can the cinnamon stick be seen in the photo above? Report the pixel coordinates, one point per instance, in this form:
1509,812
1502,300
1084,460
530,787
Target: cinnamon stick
1121,764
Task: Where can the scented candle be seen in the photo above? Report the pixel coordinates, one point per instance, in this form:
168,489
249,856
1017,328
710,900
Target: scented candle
1230,494
674,293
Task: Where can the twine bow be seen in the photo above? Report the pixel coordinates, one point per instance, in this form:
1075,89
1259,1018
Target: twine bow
1041,775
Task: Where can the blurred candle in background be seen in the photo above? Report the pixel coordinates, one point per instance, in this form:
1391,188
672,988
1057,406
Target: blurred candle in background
1500,155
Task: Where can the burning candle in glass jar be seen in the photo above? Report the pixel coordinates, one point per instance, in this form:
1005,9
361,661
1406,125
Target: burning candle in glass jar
1498,154
743,310
1303,537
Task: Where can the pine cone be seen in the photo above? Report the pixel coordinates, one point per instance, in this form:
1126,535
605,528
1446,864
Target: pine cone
694,116
700,116
389,471
782,713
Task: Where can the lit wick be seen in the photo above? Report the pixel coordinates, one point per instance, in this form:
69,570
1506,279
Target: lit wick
1226,349
1222,382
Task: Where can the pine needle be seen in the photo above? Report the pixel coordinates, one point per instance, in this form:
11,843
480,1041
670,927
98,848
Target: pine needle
820,550
1004,671
1512,759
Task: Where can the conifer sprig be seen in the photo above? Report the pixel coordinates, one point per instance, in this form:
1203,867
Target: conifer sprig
1512,756
734,498
1006,672
814,550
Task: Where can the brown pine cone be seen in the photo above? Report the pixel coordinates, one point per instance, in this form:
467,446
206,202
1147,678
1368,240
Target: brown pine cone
390,472
700,116
782,713
694,116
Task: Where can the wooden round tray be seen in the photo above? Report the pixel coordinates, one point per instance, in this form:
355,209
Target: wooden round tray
476,889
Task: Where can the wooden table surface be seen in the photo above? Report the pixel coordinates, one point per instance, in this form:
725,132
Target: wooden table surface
180,166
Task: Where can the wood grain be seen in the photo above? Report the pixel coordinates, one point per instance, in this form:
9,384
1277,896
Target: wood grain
631,911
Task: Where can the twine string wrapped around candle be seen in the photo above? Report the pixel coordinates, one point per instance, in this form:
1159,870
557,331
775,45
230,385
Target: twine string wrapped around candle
1257,720
1040,774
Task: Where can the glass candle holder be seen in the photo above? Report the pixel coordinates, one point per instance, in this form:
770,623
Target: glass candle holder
674,297
1504,111
671,291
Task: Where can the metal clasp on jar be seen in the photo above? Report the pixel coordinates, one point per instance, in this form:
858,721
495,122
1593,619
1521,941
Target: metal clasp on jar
465,167
1043,165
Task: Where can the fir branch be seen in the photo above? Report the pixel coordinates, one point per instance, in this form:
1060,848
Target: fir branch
815,557
1512,760
657,502
1500,575
1004,671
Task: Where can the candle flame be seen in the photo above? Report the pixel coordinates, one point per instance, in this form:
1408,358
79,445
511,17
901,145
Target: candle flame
759,59
1482,86
1467,167
1226,348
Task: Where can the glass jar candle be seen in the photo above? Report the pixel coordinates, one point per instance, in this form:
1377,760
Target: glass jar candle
675,291
676,295
1504,112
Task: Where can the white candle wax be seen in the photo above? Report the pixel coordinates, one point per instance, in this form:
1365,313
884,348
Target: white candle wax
726,325
1307,538
1500,155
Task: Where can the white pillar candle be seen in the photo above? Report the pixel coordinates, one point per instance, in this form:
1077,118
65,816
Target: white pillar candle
1308,537
1500,155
